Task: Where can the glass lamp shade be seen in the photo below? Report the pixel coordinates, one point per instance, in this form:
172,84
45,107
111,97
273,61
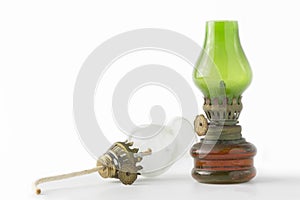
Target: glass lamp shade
222,68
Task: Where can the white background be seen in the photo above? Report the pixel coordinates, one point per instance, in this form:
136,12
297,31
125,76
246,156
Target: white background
43,45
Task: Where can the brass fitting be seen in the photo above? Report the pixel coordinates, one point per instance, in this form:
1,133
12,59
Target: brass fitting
120,162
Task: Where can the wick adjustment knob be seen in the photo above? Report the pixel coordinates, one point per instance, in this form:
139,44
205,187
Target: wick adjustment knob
200,125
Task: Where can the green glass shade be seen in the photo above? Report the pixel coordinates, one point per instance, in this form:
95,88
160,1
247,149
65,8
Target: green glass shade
222,68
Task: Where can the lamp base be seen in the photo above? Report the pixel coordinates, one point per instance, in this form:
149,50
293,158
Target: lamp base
223,161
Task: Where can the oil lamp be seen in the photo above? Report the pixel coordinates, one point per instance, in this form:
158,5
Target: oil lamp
222,73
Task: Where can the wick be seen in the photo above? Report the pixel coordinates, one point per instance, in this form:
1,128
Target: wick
144,153
147,152
63,176
222,84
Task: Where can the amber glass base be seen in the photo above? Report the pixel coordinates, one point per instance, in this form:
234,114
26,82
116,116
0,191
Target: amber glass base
223,161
